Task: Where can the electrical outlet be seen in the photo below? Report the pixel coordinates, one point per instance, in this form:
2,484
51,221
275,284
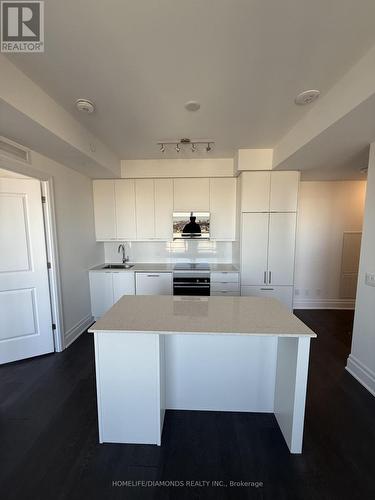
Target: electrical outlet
370,279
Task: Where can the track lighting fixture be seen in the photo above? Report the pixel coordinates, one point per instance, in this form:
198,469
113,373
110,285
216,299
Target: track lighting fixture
179,145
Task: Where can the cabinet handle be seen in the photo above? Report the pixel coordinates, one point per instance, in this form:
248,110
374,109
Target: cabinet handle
265,289
265,277
153,275
269,277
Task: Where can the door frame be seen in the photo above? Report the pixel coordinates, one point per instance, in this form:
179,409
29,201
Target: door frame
50,233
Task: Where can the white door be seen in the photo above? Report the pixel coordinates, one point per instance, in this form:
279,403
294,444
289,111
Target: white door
104,209
284,191
223,208
101,292
145,208
153,283
123,284
125,209
25,309
281,249
254,245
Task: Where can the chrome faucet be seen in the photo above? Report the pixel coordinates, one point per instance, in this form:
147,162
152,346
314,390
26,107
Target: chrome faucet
121,248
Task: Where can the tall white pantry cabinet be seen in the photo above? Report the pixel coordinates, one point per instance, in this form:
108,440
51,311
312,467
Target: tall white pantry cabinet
268,233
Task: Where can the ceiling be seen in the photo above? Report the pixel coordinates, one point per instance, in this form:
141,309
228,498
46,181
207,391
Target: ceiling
243,60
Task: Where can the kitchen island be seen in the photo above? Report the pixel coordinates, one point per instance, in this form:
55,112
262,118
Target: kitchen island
154,353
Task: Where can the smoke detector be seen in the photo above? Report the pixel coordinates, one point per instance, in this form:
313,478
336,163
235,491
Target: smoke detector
192,106
85,106
307,97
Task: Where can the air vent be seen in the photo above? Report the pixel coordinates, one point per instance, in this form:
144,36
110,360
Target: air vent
13,150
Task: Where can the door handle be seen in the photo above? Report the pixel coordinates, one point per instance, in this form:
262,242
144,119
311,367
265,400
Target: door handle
153,275
265,277
269,277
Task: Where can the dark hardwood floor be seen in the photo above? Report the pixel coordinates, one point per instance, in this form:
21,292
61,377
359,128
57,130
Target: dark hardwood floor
49,443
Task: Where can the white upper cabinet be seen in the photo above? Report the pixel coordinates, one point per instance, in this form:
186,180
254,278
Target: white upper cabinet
281,247
267,191
223,208
191,194
284,191
104,209
125,209
255,191
145,208
163,209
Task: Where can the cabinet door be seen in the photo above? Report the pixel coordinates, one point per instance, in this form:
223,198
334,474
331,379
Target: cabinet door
104,209
223,208
191,195
254,245
282,293
255,191
125,209
163,209
123,284
153,283
101,292
282,236
284,191
145,208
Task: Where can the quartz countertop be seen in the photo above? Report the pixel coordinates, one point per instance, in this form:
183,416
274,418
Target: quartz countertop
202,315
164,268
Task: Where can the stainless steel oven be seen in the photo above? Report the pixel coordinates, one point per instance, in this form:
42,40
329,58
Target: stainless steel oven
191,283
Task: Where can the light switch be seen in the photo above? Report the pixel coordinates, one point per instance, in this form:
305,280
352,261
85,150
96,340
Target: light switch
370,279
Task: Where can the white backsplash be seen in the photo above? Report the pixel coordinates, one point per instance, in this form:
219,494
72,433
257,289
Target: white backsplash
172,251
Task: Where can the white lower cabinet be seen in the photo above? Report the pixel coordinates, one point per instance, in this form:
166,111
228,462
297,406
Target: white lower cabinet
108,287
123,284
225,283
153,283
283,293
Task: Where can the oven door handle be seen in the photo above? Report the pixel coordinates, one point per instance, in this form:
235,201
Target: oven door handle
191,286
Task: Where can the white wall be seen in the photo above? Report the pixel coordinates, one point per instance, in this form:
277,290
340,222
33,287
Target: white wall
188,167
172,251
326,210
78,250
361,362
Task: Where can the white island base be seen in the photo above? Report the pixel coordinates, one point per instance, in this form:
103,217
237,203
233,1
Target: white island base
190,361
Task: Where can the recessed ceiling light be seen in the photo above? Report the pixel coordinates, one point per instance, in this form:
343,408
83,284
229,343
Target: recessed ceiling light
192,106
85,106
307,97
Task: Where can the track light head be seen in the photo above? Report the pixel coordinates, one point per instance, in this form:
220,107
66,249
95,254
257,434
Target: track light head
178,149
193,148
208,148
162,148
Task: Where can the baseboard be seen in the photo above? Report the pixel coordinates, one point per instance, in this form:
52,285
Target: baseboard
324,304
73,333
362,373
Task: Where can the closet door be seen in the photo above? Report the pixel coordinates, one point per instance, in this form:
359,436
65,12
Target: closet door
281,248
254,244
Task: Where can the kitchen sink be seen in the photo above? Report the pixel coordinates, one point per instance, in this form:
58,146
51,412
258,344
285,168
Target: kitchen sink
118,266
